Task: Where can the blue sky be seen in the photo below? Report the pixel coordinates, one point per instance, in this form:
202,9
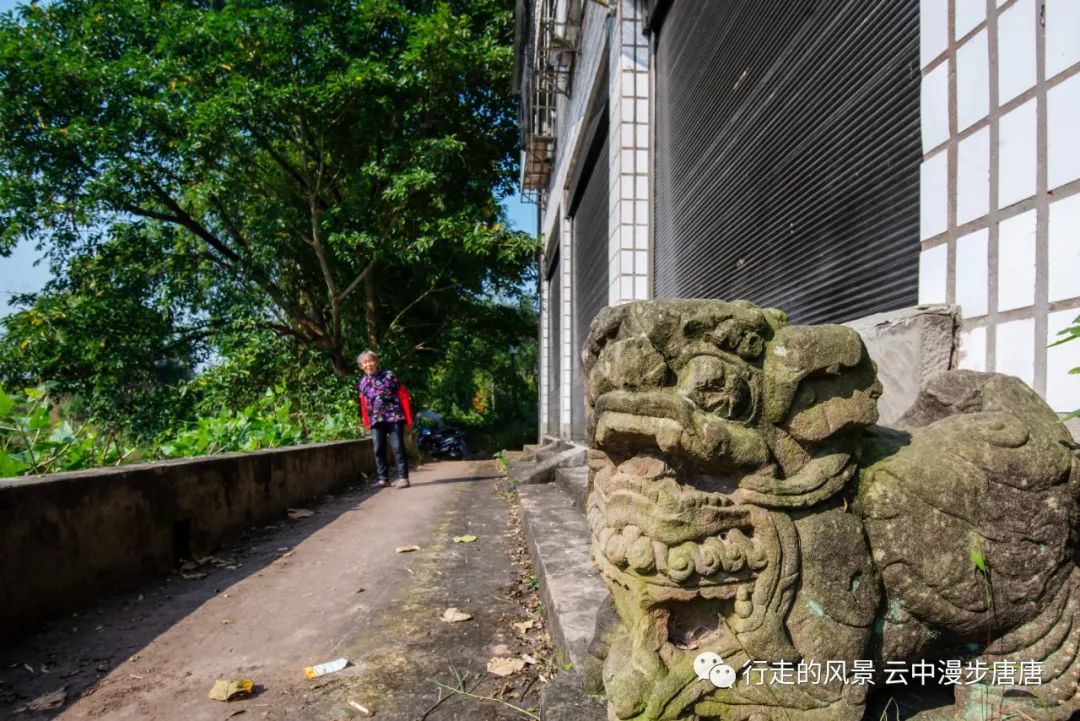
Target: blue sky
24,271
18,273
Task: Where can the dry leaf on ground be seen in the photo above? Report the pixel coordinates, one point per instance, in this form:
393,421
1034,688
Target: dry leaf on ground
524,626
505,666
465,539
49,701
297,513
407,549
227,689
453,615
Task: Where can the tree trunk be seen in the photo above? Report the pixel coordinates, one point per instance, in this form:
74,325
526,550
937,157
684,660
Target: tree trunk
341,365
369,311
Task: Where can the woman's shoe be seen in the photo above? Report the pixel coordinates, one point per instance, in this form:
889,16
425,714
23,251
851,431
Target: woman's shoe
402,483
381,484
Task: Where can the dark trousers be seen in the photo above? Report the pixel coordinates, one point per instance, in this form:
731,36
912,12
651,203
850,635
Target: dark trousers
396,432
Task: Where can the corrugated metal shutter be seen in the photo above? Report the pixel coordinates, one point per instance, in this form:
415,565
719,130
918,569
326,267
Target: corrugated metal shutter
787,154
590,229
554,347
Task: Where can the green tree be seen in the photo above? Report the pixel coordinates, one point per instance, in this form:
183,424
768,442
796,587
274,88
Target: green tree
113,336
326,170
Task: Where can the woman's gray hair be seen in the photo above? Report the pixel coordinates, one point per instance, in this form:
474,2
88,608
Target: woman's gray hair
360,358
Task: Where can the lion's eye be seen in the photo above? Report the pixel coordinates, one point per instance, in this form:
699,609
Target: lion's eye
715,386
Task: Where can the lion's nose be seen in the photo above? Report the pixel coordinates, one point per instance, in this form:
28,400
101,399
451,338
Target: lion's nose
628,364
715,386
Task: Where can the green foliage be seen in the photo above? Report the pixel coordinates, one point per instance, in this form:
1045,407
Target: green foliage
267,423
32,441
1072,332
328,170
503,461
108,338
35,440
240,196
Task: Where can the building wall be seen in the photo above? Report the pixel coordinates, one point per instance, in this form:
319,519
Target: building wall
628,104
1000,182
618,33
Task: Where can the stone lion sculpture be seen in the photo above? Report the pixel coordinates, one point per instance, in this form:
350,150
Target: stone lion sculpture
743,503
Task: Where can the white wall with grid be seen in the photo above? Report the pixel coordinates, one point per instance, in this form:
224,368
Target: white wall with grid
566,328
1000,182
628,110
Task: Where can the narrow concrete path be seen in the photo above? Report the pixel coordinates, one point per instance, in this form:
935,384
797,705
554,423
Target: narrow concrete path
290,596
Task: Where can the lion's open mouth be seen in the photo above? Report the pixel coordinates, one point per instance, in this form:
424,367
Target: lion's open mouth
706,563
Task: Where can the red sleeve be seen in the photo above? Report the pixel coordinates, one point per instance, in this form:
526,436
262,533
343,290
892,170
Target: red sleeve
403,396
363,409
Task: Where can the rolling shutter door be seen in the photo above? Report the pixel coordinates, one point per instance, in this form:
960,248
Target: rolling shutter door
787,154
590,228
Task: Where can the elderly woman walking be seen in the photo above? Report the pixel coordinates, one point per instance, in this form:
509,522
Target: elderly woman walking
384,406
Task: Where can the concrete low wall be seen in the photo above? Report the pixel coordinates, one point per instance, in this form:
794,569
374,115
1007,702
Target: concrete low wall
69,538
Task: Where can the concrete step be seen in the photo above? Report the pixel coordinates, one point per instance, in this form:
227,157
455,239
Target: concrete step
574,482
558,540
565,699
543,471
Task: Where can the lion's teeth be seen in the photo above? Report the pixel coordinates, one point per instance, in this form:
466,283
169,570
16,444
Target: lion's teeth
680,561
743,605
641,556
707,557
615,549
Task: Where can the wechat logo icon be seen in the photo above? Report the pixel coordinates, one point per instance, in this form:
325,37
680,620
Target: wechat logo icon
709,666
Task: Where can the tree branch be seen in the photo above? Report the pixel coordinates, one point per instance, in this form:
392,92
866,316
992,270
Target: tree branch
357,280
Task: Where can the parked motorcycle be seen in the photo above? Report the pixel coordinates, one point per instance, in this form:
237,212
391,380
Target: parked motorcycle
436,439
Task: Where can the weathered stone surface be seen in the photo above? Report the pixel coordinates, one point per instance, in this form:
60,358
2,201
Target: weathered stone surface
744,503
907,347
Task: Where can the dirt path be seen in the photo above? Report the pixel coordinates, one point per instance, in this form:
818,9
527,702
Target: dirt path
289,596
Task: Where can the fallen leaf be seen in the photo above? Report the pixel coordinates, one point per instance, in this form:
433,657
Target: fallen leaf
465,539
136,676
225,595
134,658
297,513
452,615
228,689
193,576
29,668
525,626
188,566
225,622
49,701
407,549
528,659
505,666
287,554
360,590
